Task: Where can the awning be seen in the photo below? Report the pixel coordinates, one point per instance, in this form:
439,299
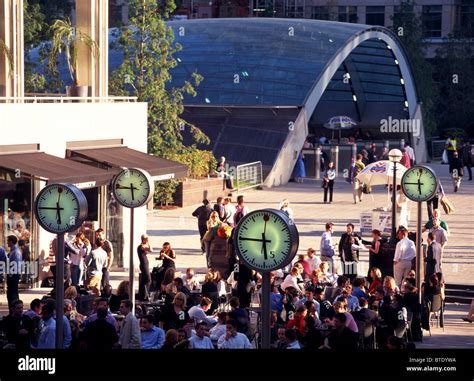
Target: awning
124,157
53,169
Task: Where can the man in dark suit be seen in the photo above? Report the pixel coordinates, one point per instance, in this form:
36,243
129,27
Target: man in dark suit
341,337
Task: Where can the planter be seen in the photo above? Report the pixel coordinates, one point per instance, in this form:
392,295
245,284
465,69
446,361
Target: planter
192,192
77,91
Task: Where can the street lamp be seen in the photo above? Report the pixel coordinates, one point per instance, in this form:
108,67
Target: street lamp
395,155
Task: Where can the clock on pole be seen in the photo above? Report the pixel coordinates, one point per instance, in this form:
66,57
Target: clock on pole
266,240
60,208
419,183
132,188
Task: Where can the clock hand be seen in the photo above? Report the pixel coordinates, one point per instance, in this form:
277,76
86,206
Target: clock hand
264,247
131,190
50,208
254,239
415,183
419,186
58,213
264,244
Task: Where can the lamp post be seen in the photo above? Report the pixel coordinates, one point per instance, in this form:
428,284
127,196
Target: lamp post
395,155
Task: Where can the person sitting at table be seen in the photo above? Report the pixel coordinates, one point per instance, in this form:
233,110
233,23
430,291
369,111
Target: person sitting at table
180,287
352,301
201,340
325,307
209,289
101,303
198,313
240,315
233,339
190,281
327,276
152,337
171,340
376,276
121,294
220,328
174,315
167,278
376,300
341,337
291,280
100,335
390,287
340,307
298,321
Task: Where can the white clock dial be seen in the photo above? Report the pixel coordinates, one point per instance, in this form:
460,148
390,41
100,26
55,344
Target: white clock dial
133,187
266,240
419,183
60,208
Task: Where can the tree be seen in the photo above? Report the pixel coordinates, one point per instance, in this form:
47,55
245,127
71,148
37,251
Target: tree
408,27
148,47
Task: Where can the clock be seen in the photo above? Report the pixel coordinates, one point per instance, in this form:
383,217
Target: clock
266,240
419,183
60,208
133,187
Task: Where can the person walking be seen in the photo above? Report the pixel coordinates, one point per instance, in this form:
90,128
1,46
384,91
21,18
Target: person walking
411,154
300,172
450,146
356,184
284,206
327,248
348,253
202,214
240,210
145,277
14,269
108,248
465,153
229,211
456,168
328,182
405,251
434,201
96,261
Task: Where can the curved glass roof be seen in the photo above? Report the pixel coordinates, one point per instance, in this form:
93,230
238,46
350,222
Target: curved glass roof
267,61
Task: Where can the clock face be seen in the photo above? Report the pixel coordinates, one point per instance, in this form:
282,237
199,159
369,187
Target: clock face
419,183
266,240
60,208
133,187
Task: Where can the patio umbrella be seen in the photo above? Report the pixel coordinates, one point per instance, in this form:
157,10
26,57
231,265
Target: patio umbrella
339,123
380,173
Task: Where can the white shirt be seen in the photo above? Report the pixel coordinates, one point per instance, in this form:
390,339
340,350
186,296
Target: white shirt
411,152
405,250
196,342
313,263
290,281
198,314
217,331
294,345
191,284
239,341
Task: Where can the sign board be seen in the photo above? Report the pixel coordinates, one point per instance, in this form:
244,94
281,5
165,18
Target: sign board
366,223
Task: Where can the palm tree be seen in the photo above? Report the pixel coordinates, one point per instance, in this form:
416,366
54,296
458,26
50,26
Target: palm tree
66,38
5,50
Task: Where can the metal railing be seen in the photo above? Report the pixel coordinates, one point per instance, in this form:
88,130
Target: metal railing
65,99
249,175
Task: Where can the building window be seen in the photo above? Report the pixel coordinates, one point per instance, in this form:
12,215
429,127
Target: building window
320,13
375,16
431,20
295,9
347,14
466,24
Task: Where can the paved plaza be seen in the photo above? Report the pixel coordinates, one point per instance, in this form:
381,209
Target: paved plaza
179,228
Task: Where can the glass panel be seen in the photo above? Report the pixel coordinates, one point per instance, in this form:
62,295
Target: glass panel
432,20
114,229
375,15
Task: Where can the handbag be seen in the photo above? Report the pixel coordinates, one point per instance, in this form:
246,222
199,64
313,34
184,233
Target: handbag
325,183
447,206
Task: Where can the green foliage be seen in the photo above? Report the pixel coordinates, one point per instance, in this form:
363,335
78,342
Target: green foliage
455,81
200,162
408,27
164,191
148,48
67,38
4,50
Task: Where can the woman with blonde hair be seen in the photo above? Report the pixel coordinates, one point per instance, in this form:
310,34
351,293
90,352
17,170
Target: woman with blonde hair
174,315
376,276
213,224
390,287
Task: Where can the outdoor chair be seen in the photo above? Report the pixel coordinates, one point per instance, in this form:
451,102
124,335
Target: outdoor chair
437,311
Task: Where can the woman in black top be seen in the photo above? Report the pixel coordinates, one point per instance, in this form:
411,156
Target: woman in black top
375,252
145,278
174,316
168,256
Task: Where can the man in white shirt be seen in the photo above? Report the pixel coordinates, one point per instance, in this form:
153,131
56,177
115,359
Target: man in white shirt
95,261
130,336
404,254
290,336
201,339
190,281
326,247
233,339
313,260
198,313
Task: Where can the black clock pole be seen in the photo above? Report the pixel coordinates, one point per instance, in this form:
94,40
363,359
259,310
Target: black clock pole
419,258
59,282
266,309
131,274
